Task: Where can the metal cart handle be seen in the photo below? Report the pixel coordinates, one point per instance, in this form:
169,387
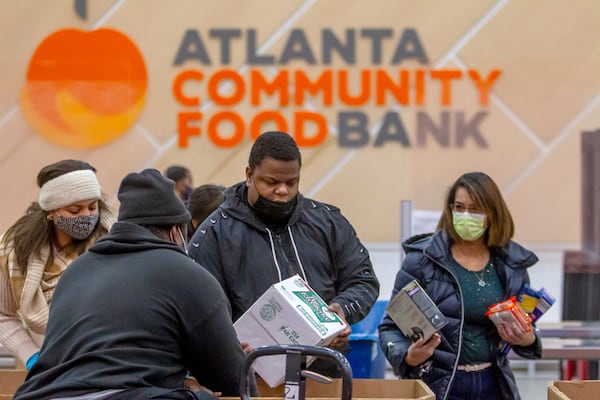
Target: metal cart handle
293,351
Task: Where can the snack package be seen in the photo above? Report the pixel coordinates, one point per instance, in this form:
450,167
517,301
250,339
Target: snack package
509,311
535,302
532,302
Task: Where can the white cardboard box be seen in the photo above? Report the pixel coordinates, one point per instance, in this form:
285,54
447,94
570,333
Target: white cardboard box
289,312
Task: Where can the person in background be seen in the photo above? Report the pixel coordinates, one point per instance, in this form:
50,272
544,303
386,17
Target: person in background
468,264
131,316
266,231
183,180
202,201
69,216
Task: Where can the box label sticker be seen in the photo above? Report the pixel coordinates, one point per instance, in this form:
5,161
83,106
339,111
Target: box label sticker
318,306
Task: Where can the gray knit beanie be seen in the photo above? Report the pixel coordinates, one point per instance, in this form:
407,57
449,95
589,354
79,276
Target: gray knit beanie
148,198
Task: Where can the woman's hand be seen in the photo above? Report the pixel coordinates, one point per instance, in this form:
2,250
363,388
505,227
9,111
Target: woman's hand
421,350
344,336
513,334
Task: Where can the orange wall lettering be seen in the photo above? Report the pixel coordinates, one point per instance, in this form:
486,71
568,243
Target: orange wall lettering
237,84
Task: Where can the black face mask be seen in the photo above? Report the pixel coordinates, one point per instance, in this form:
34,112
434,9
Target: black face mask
273,212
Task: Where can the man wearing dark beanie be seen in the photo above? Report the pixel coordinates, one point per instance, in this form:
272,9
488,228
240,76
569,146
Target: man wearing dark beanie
131,316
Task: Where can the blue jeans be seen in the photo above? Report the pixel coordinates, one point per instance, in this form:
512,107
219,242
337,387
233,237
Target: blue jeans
479,385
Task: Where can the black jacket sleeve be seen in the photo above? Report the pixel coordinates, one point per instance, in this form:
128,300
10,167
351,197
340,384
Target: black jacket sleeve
358,287
211,337
203,248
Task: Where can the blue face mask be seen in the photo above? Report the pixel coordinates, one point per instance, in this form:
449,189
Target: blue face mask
187,192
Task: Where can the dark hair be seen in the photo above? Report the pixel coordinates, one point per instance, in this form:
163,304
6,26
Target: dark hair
33,230
162,231
277,145
177,172
487,197
204,200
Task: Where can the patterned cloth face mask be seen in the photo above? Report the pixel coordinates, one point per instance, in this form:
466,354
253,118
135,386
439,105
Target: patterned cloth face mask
80,227
468,226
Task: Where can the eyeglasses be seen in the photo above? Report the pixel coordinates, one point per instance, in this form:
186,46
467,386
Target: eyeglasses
459,207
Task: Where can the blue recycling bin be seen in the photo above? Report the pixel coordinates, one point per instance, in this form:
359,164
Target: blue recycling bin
365,357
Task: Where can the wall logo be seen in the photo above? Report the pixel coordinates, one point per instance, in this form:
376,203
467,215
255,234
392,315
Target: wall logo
84,89
304,77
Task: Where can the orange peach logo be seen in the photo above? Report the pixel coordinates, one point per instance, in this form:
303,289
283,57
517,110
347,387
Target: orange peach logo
84,89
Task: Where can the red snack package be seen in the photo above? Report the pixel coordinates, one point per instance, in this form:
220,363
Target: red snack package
509,311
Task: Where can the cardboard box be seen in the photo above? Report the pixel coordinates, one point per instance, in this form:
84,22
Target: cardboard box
573,390
289,312
10,380
415,313
398,389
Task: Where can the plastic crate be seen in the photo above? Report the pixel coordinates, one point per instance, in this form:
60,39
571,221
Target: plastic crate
365,356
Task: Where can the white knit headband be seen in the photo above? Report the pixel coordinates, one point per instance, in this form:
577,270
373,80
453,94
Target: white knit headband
68,189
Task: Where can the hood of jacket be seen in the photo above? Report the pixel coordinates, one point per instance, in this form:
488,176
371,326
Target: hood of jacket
125,237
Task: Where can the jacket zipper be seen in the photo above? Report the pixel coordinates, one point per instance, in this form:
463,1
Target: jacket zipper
462,321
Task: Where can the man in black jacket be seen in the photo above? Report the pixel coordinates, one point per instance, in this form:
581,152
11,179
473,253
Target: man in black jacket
131,316
266,231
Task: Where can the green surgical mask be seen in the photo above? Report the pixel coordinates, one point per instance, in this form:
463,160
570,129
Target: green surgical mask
468,226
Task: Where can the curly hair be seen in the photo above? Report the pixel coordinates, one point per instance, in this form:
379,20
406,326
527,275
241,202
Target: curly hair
277,145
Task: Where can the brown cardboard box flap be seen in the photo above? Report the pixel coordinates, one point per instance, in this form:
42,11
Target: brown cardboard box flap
10,380
573,390
400,389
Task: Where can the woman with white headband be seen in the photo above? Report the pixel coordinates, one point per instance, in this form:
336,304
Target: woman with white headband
67,219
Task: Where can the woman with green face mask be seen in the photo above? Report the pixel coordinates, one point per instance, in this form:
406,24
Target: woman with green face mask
469,263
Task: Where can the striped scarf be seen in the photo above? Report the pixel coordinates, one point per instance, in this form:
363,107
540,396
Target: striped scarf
33,291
